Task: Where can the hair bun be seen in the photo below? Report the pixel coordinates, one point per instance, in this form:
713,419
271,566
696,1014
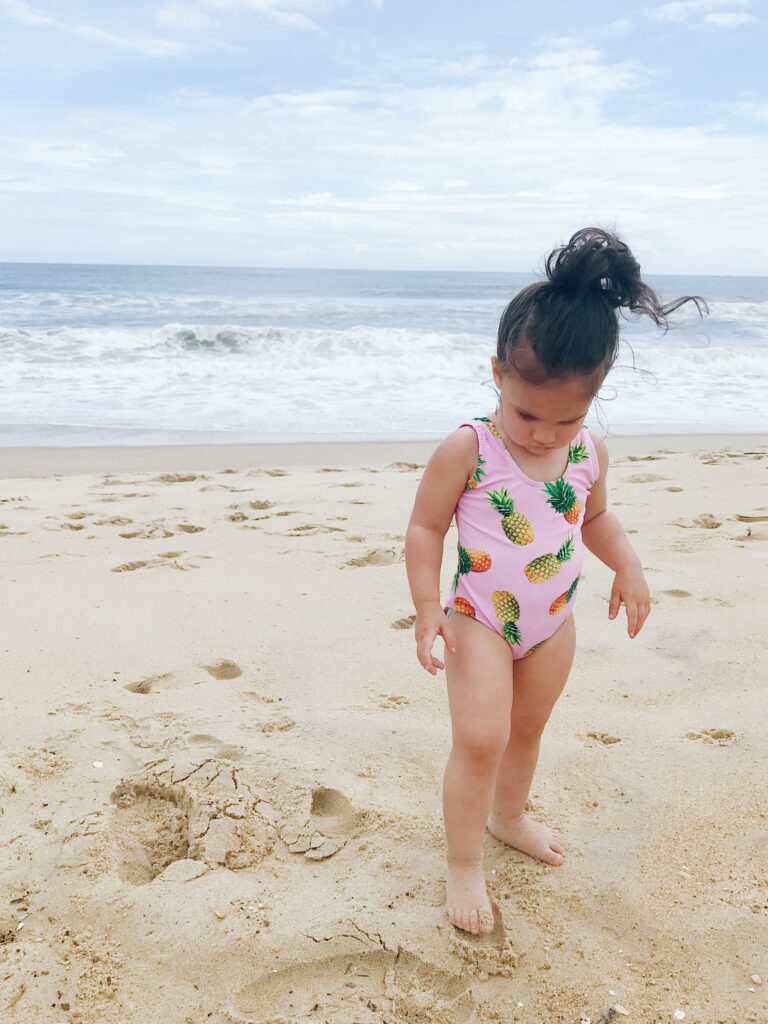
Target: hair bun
595,261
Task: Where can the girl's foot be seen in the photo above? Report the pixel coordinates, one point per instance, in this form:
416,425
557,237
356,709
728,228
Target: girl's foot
467,903
528,836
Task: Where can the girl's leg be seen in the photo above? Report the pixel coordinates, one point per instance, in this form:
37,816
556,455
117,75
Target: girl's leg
538,682
479,678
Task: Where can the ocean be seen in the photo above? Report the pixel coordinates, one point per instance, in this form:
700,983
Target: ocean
116,355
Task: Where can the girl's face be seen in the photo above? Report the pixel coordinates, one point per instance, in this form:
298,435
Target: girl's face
541,417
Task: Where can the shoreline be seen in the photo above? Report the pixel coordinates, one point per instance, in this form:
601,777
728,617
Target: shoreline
17,462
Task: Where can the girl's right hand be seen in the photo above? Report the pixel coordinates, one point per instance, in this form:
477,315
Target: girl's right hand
431,622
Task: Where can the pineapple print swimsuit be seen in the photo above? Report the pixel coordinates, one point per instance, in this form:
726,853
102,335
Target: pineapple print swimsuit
520,546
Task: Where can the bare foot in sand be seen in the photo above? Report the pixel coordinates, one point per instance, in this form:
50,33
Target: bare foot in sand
528,836
467,903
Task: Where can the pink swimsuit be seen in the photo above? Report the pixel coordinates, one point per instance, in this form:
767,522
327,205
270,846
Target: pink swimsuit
520,546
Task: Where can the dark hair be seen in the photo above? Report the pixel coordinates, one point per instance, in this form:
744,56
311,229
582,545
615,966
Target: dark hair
568,323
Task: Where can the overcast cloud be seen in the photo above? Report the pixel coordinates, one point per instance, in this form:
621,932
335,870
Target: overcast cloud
392,134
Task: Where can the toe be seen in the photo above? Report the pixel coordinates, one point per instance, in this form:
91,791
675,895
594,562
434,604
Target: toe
557,846
486,921
474,923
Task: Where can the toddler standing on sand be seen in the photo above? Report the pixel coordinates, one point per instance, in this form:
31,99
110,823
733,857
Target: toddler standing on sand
527,487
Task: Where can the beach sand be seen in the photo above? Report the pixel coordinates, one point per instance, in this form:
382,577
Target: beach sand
221,764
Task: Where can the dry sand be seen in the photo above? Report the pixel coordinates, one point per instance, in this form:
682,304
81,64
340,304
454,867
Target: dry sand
221,763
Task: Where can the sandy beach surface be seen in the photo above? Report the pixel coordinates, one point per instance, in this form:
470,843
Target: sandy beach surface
221,764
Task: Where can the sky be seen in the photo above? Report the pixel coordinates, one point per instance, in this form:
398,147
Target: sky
404,134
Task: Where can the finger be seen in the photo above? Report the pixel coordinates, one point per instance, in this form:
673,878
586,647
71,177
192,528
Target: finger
644,612
437,663
631,618
449,638
425,660
424,646
615,604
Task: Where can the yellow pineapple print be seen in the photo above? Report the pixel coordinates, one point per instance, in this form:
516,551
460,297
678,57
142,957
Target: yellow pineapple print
546,567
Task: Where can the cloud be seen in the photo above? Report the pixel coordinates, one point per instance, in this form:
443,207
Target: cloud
486,170
711,11
183,17
621,27
24,13
748,110
728,20
195,15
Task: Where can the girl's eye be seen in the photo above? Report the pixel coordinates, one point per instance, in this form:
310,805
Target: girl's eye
526,416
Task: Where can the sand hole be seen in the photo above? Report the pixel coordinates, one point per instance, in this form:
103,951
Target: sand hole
150,830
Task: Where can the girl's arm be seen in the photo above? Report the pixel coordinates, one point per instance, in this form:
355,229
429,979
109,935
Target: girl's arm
445,477
604,535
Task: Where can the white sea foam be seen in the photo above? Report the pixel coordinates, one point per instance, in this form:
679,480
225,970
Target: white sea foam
303,354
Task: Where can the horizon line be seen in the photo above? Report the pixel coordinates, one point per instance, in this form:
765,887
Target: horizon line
352,270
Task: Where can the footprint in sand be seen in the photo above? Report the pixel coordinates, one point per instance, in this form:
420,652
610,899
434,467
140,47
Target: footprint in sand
218,748
722,737
207,811
149,531
605,738
404,623
122,497
224,669
281,723
310,529
645,478
179,478
676,593
392,700
266,472
378,556
260,506
491,953
168,558
329,469
377,984
224,487
148,684
674,490
644,458
405,467
190,528
332,821
706,521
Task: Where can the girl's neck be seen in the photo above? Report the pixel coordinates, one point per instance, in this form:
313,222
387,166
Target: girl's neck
544,467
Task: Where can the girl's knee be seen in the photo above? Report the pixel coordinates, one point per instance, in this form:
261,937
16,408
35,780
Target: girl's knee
528,726
483,749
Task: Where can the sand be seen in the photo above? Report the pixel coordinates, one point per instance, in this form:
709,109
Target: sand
221,763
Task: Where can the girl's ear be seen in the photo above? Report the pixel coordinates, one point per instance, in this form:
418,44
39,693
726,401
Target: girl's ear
496,370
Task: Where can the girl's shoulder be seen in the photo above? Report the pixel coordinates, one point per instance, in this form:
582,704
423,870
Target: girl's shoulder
599,452
460,447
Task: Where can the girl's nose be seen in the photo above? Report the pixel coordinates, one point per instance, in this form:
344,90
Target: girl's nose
542,438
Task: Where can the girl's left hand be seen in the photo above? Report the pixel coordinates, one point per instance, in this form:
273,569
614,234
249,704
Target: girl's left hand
631,590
